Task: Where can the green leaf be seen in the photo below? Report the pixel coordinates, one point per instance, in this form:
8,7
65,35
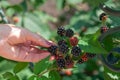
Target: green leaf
7,75
41,66
33,77
37,22
53,75
20,66
92,48
94,3
42,78
14,78
110,75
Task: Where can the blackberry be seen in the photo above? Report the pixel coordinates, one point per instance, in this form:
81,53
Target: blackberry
104,29
63,48
90,55
69,33
76,51
84,57
102,16
80,61
61,42
53,49
73,41
61,31
61,63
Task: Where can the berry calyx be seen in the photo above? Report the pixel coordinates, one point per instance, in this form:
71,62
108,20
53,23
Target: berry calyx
69,33
68,62
73,41
104,29
103,17
75,51
53,49
63,48
61,31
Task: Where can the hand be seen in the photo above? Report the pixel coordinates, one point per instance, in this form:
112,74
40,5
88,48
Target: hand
20,44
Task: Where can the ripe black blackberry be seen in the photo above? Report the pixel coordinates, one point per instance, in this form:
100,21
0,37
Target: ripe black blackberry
102,16
53,49
60,63
90,55
69,33
75,51
63,48
80,61
104,29
61,31
62,42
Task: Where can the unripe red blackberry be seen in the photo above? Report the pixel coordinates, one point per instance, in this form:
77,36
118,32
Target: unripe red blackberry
61,31
69,33
73,41
62,42
80,61
103,17
60,62
84,57
104,29
63,48
53,49
75,51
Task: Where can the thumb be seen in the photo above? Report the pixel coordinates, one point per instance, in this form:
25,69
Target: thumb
38,40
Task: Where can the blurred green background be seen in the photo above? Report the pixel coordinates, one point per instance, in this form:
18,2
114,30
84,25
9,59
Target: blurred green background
44,16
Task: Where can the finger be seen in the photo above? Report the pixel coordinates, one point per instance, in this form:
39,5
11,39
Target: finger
37,39
31,54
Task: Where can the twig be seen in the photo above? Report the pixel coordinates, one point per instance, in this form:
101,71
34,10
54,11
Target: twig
109,10
110,31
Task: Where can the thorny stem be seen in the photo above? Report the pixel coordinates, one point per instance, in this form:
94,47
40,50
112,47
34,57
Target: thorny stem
3,16
109,10
110,31
47,70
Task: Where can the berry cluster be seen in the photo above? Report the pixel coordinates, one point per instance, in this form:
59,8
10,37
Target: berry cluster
67,51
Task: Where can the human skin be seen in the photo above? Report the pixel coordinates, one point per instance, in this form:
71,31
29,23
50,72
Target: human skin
19,44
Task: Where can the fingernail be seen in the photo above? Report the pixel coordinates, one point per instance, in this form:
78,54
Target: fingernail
49,42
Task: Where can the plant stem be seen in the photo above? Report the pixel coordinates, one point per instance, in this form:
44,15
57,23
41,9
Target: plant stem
47,70
109,10
3,16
